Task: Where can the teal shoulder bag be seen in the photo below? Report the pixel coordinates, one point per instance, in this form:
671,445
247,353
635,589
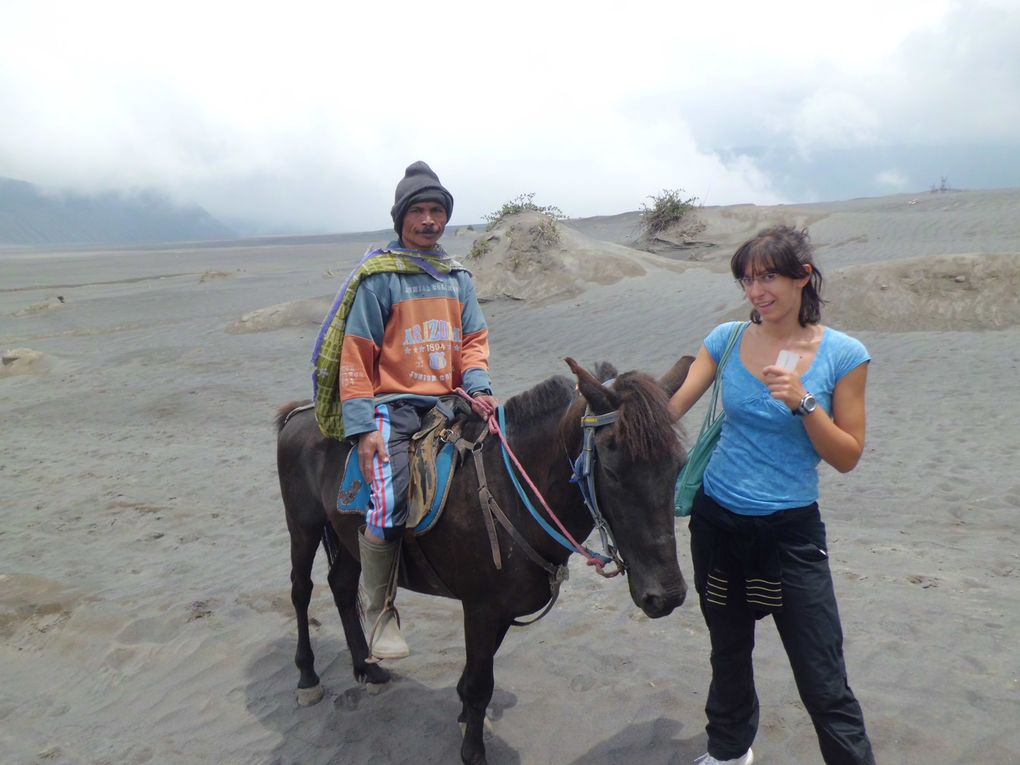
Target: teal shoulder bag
691,476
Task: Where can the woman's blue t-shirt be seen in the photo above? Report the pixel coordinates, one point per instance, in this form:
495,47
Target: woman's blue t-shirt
764,460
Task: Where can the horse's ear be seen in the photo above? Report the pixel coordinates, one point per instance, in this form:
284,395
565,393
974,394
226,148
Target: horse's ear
605,371
675,377
599,397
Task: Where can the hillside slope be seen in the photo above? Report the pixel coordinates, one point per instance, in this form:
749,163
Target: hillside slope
29,216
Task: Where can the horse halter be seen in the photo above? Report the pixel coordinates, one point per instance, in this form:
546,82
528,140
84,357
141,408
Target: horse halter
584,477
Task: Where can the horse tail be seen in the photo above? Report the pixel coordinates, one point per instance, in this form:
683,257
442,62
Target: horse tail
284,412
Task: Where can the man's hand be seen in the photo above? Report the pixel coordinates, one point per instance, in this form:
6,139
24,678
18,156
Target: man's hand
485,406
369,445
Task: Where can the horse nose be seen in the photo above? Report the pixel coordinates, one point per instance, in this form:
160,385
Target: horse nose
656,604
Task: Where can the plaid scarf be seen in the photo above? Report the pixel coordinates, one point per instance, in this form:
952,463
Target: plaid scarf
326,357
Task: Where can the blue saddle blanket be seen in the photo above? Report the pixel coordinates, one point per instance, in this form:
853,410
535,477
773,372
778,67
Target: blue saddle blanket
433,461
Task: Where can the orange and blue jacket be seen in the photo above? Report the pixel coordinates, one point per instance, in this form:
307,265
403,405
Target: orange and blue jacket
411,335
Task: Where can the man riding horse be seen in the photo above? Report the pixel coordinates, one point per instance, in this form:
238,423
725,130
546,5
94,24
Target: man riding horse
405,329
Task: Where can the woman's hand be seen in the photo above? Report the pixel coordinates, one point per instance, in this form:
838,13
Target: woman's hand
784,385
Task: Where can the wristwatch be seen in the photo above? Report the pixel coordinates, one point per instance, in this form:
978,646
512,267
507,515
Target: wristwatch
808,404
481,392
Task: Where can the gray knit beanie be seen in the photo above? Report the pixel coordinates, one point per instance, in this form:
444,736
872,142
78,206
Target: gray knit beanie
419,184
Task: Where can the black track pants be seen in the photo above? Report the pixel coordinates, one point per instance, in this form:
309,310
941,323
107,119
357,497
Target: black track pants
808,625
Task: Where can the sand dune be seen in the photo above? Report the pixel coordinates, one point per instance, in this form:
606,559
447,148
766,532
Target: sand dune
942,293
533,257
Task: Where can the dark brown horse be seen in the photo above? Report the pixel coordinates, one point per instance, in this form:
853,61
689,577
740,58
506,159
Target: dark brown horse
638,458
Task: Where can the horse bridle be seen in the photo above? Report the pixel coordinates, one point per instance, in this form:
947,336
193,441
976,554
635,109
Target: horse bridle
584,477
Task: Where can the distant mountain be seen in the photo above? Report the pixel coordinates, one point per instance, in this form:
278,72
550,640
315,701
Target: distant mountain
29,216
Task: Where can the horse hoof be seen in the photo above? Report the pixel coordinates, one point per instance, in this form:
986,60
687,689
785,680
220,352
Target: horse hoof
306,697
372,676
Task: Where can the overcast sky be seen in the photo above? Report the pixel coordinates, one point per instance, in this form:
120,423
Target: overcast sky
301,116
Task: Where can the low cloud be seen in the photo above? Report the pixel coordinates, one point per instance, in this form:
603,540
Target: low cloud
310,130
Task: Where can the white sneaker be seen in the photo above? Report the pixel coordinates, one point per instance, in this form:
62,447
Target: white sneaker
707,759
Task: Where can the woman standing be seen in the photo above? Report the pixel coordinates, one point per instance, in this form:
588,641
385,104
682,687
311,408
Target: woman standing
757,539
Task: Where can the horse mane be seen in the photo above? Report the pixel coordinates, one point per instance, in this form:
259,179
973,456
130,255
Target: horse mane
644,428
548,399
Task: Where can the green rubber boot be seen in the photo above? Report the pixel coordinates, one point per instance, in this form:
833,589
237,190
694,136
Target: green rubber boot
379,561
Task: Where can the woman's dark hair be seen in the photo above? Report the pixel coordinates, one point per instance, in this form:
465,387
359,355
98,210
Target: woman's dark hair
783,250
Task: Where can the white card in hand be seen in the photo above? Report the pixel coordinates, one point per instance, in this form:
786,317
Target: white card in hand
787,360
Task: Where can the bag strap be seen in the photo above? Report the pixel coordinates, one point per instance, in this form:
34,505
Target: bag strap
735,334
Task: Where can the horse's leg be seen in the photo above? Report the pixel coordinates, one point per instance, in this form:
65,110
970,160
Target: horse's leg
343,581
483,633
303,544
